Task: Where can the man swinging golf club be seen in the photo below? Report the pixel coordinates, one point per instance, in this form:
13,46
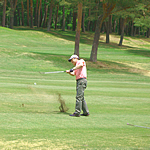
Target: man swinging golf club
81,77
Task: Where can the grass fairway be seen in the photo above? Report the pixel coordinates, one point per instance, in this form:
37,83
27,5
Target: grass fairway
118,93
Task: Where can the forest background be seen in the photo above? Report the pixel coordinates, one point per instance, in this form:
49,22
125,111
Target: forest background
131,18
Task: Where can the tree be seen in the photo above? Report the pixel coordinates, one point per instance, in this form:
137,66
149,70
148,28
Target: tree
144,23
77,39
22,11
45,14
27,12
50,16
63,25
74,19
132,15
107,9
13,4
18,13
36,14
143,20
111,7
89,14
56,19
4,13
93,56
108,28
122,31
31,14
39,10
83,20
148,32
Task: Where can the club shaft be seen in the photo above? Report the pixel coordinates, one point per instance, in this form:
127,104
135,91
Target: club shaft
138,126
54,72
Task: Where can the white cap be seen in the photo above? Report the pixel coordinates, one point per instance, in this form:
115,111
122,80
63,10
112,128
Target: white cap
73,56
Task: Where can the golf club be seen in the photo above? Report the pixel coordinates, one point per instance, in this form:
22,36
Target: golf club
138,126
52,72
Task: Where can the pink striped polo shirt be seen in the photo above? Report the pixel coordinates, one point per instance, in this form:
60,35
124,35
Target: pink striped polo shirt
80,73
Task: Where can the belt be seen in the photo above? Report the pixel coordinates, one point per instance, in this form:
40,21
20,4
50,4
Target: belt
80,79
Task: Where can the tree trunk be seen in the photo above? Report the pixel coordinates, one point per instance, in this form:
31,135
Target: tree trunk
1,19
96,15
4,13
114,26
36,14
38,22
83,18
132,28
119,26
27,12
93,56
41,16
93,25
110,23
74,20
104,25
122,32
56,17
63,25
148,33
18,10
107,32
22,11
108,29
13,8
88,26
15,19
134,33
31,15
139,31
45,15
77,40
107,8
127,29
50,16
69,19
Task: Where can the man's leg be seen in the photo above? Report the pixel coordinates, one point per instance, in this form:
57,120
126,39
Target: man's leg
85,108
80,102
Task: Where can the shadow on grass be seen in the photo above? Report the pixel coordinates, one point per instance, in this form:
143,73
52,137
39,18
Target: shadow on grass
112,67
100,66
43,112
85,37
145,53
58,112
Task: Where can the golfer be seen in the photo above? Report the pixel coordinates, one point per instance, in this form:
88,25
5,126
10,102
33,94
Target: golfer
81,77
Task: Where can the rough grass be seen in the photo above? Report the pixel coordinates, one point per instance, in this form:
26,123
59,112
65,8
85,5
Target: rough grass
117,94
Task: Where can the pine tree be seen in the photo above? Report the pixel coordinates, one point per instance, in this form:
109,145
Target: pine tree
4,13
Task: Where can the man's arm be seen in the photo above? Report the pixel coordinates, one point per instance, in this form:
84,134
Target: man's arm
78,67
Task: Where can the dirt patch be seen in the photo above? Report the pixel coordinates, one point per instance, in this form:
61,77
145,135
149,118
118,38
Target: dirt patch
35,144
105,65
127,41
62,107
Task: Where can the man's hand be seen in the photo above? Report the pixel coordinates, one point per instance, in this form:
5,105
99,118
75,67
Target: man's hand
67,71
71,73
